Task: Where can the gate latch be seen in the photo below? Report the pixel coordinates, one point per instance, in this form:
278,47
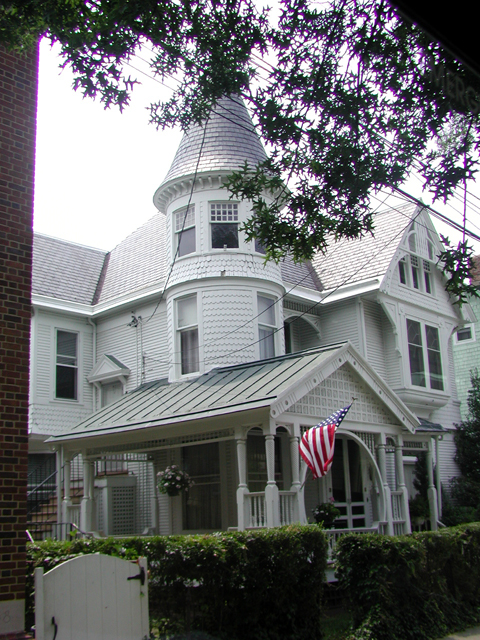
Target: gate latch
140,576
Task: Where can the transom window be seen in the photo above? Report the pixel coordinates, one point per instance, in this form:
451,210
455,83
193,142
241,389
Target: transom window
187,330
185,230
66,366
266,327
224,225
425,364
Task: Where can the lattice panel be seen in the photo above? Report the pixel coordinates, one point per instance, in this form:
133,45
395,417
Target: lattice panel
225,434
337,392
123,511
368,439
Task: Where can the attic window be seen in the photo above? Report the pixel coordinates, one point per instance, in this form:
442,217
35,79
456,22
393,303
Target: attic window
224,224
465,334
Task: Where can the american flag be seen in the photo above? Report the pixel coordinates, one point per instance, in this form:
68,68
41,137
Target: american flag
318,443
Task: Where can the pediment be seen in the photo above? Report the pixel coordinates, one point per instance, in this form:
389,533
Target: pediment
108,369
333,386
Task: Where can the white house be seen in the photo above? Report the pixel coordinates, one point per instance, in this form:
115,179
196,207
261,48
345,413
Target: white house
183,346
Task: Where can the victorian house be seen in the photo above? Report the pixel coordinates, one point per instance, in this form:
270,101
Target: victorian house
182,345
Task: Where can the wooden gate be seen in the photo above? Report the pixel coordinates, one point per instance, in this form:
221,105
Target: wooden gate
92,597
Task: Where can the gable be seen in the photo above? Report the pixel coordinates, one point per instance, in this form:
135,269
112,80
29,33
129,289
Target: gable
337,391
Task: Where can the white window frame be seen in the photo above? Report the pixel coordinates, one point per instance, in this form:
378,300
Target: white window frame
184,221
223,213
264,326
426,351
417,268
66,365
472,338
187,365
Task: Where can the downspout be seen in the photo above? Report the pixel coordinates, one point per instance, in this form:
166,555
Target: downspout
94,355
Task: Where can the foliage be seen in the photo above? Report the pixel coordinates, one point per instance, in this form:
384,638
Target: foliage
347,95
326,513
411,587
237,585
465,490
173,479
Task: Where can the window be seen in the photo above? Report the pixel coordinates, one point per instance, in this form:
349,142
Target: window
185,230
266,327
224,224
187,330
465,334
416,273
66,366
424,372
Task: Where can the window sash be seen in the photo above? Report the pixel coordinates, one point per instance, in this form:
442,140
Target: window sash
266,342
186,242
434,358
189,351
224,235
66,366
417,356
415,352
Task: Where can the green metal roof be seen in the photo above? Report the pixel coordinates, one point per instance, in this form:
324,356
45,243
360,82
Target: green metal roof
223,390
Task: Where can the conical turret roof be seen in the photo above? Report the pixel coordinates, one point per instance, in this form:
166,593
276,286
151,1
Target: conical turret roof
230,141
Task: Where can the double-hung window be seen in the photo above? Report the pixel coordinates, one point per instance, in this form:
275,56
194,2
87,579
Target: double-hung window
425,363
187,330
66,370
185,230
224,225
266,327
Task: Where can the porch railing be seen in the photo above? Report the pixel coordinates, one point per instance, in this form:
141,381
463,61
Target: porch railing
287,507
257,510
397,513
333,536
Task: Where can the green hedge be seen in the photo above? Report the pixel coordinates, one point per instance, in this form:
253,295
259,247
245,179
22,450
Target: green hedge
265,585
410,587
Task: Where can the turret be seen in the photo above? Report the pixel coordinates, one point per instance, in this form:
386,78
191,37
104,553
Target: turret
222,299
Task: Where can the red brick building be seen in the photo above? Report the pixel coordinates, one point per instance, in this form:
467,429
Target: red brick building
18,103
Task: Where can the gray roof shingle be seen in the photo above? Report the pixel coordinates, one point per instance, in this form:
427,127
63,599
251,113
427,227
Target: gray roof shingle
230,141
65,270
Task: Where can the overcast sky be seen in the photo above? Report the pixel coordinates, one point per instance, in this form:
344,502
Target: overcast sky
97,170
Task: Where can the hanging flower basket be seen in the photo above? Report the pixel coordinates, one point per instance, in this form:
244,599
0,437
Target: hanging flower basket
173,480
326,513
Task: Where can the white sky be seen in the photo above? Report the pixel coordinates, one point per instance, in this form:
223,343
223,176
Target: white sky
97,170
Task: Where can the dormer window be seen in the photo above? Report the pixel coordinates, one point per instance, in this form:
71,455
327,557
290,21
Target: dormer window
415,272
224,225
185,230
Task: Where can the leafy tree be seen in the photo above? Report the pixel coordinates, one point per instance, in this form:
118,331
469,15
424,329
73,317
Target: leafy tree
466,488
346,95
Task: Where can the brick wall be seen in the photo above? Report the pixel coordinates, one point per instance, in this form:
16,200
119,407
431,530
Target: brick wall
18,102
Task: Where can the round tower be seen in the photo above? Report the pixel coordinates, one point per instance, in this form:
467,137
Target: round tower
223,302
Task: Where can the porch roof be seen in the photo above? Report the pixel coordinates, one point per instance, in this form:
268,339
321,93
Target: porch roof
223,390
271,384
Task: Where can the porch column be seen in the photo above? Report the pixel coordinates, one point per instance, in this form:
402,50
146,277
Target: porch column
432,492
382,463
438,482
86,513
299,504
242,504
401,483
271,490
67,500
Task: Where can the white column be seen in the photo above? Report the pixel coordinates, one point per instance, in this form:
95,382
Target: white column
67,500
401,484
271,490
299,504
386,489
86,512
243,515
438,481
432,492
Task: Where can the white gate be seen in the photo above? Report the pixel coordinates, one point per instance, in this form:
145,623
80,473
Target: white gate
92,597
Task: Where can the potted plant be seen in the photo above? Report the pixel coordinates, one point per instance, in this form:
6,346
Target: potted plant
173,480
326,513
419,510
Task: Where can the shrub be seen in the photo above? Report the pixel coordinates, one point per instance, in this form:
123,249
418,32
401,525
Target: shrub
411,587
265,585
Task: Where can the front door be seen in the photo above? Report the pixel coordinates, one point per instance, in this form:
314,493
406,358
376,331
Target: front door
347,484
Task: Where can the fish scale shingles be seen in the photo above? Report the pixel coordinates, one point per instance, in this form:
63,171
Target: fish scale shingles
64,270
